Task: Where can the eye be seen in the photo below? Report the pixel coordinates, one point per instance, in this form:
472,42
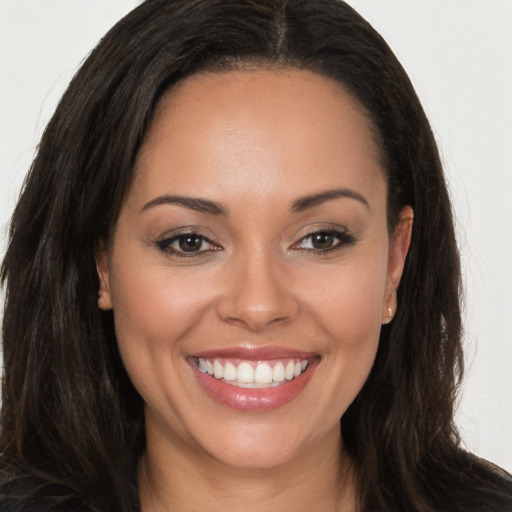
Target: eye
321,241
324,241
190,243
187,245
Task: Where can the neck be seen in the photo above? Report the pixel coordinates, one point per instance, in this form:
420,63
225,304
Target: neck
179,478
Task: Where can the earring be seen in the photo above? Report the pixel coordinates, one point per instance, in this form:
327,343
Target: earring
389,317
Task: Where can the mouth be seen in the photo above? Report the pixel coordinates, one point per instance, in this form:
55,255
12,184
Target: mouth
253,379
253,374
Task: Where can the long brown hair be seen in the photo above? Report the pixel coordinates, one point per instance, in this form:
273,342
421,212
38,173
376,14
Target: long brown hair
72,423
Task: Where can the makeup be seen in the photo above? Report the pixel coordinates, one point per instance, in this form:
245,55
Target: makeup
253,379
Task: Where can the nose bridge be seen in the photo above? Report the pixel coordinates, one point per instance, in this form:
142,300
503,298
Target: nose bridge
257,293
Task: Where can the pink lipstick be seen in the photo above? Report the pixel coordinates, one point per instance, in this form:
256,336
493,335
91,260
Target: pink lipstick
253,379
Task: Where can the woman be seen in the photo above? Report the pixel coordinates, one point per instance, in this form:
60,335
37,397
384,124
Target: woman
236,232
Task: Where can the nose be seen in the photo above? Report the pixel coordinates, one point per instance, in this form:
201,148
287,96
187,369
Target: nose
257,294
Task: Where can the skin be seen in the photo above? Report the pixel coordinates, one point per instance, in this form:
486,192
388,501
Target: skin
254,142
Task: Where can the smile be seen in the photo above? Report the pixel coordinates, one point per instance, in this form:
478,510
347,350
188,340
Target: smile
254,379
253,374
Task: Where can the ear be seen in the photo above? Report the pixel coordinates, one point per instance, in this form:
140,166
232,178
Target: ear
104,295
399,246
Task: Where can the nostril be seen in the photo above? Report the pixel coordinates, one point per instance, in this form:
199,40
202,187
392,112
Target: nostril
254,321
256,295
256,317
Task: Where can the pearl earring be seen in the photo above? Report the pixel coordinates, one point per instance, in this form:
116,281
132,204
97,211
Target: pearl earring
389,317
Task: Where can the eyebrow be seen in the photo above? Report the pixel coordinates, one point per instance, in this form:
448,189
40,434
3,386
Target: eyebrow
194,203
212,208
310,201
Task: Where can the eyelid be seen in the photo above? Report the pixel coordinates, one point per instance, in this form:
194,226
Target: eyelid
165,242
321,228
341,233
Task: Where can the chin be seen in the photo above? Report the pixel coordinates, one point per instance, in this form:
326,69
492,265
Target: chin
256,452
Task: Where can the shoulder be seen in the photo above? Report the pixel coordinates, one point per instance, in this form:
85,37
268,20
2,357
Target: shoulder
476,485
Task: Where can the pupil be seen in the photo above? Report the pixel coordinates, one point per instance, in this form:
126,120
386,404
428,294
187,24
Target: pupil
322,241
190,243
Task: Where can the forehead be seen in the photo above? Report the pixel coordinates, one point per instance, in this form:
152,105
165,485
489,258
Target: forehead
262,131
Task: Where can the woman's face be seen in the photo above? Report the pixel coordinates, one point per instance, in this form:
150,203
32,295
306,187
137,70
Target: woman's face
251,266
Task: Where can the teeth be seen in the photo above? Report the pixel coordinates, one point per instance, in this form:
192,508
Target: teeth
229,371
263,374
245,373
218,370
278,372
253,374
290,368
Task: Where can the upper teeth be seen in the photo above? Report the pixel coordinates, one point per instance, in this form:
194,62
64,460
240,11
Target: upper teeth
252,373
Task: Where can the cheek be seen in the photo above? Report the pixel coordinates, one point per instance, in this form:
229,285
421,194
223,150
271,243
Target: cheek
154,310
348,298
347,305
152,304
353,320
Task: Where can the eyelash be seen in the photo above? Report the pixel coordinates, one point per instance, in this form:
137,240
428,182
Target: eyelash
344,239
165,245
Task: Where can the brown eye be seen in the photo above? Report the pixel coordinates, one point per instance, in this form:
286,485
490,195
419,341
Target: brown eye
187,244
190,243
322,240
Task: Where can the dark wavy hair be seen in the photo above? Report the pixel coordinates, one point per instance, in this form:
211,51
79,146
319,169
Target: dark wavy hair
71,422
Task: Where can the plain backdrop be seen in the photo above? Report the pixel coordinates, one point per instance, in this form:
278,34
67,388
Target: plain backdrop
458,54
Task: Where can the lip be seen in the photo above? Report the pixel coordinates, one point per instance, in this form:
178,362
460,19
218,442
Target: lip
254,399
249,353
